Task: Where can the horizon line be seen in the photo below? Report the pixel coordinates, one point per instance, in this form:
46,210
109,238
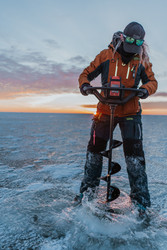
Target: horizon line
79,113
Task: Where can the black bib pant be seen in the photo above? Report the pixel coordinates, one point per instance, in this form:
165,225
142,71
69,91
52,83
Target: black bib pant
131,131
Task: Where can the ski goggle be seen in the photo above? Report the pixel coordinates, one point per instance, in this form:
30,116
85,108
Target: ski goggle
131,40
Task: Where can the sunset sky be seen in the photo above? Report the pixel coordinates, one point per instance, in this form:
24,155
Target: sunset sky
45,45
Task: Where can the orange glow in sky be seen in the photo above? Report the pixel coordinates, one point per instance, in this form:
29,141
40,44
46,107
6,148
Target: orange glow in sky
145,111
70,103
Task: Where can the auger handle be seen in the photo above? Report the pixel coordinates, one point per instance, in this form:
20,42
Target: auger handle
110,100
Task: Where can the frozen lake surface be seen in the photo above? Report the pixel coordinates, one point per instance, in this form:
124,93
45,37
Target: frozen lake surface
41,165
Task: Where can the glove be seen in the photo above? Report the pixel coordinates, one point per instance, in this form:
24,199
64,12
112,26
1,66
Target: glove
84,90
143,94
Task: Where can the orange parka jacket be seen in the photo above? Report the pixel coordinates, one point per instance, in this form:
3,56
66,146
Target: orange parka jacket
108,64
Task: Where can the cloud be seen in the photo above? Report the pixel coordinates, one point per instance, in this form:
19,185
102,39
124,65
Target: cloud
161,94
155,105
27,72
52,43
34,73
88,106
78,60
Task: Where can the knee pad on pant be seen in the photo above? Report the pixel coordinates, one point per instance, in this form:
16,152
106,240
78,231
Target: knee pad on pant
92,173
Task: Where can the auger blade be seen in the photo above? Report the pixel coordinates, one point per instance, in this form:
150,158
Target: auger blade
105,153
115,144
115,168
104,178
113,194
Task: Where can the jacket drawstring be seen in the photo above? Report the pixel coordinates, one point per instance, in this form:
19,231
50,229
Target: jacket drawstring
116,67
127,75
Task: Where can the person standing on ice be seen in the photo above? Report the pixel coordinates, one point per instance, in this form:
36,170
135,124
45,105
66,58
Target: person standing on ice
127,58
